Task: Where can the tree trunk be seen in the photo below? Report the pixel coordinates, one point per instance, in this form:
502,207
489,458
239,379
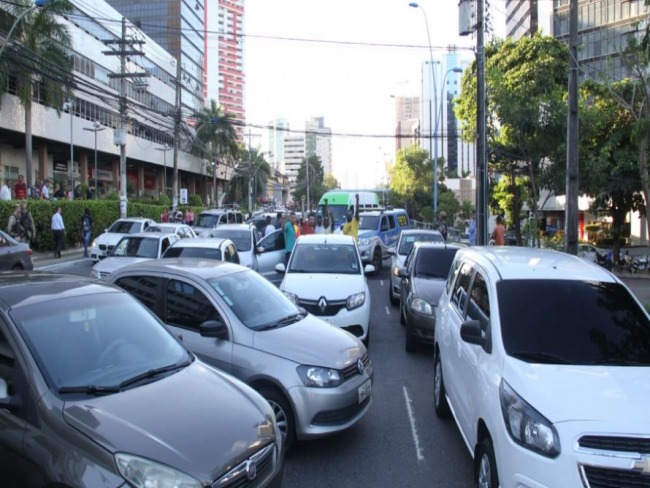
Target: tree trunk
28,145
643,172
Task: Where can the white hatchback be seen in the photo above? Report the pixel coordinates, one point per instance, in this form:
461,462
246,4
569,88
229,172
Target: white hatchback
325,277
104,243
543,360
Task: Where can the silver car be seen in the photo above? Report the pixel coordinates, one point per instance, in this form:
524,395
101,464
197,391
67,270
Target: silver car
407,238
204,248
245,238
183,231
270,252
317,378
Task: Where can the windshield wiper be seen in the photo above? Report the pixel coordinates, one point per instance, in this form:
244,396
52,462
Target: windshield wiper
152,373
540,357
289,319
90,390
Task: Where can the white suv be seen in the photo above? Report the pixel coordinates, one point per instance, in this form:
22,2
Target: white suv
543,360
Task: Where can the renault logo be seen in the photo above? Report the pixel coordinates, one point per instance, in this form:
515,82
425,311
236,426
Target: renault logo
251,469
322,304
642,466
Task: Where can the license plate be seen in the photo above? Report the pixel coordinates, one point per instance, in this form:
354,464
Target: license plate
364,390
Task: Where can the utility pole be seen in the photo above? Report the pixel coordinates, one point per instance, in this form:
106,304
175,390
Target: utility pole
572,171
250,173
119,137
177,131
481,142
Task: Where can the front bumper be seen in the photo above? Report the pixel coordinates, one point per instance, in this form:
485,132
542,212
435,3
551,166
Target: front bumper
421,326
354,321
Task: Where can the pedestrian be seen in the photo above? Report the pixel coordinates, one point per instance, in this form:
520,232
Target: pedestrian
58,192
270,228
290,237
164,217
27,223
351,227
58,230
442,224
5,192
499,233
189,216
86,230
45,190
20,188
279,221
471,230
309,224
13,224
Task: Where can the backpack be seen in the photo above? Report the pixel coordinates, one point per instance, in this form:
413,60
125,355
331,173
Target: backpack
26,224
85,224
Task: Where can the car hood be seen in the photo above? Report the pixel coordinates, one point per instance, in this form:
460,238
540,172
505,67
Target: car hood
428,289
311,341
197,420
109,238
112,264
312,286
607,394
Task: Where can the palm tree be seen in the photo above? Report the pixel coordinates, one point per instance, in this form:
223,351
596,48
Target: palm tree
253,165
39,63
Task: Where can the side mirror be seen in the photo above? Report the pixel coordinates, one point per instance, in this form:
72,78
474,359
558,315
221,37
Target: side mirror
259,250
470,332
279,268
369,268
402,273
391,251
214,328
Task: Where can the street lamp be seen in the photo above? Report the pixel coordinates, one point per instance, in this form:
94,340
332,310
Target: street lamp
69,106
435,107
37,4
164,149
97,127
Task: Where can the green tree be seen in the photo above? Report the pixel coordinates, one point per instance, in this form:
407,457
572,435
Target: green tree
253,168
316,181
39,63
508,197
330,182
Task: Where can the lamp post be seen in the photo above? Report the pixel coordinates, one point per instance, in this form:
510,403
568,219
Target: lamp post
97,127
69,106
164,149
214,183
37,4
435,107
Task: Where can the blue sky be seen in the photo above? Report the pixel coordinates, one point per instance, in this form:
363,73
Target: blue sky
363,51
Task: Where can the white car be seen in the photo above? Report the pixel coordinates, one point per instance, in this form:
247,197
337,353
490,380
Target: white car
204,248
543,360
103,244
325,277
134,248
183,231
245,238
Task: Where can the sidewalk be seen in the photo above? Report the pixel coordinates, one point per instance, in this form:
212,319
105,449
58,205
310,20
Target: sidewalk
46,258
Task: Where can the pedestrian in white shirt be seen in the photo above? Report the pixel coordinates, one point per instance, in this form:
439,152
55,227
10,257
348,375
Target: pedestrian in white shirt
269,226
58,229
5,192
45,190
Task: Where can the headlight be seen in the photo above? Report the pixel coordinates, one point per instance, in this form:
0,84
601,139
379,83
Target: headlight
292,297
526,426
364,242
317,377
141,473
396,271
94,244
419,305
355,301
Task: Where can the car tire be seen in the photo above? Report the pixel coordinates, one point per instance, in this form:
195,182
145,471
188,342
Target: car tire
485,466
393,301
377,260
410,343
440,404
283,414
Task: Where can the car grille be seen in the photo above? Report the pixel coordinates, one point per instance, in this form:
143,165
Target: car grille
329,309
342,415
102,247
595,476
250,473
353,370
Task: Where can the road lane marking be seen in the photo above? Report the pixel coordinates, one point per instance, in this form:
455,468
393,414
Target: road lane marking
381,282
414,429
387,311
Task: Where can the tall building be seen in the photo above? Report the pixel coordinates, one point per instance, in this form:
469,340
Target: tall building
178,27
407,121
294,154
278,130
318,141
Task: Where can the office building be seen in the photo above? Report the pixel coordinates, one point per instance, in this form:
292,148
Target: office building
294,155
318,141
278,130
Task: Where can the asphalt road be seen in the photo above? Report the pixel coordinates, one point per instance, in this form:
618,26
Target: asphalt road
400,442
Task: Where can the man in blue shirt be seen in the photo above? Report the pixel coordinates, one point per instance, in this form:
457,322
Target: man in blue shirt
289,230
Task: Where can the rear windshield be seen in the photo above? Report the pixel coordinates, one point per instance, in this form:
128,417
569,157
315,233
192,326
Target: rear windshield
193,252
241,238
407,241
434,263
573,322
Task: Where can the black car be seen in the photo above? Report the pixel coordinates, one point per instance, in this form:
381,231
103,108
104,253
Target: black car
89,400
423,276
13,254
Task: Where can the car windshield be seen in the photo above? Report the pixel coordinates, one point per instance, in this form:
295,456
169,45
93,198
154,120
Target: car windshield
207,220
136,247
434,263
124,227
407,241
325,258
194,252
339,212
241,238
368,222
573,322
98,340
256,302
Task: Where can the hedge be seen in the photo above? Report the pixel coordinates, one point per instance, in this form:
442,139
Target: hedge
103,212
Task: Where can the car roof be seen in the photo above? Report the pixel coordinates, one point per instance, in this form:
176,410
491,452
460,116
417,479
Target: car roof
219,211
407,232
203,268
169,224
134,219
27,289
386,212
149,235
325,238
437,245
512,263
212,242
245,227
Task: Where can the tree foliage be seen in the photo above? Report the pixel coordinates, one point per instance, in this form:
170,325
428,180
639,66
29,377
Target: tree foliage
215,134
316,181
251,174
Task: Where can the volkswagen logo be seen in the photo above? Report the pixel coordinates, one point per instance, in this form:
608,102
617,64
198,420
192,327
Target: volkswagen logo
360,366
322,304
251,469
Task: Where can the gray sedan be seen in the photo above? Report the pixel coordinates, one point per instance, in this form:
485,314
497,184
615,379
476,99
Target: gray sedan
13,254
